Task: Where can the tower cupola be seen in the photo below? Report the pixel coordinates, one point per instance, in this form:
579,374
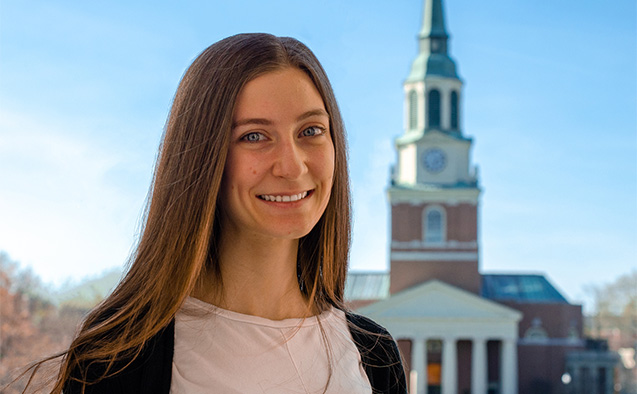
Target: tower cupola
433,88
433,58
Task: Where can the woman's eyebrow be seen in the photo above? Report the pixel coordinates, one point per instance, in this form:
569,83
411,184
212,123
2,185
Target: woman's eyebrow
314,112
259,121
267,122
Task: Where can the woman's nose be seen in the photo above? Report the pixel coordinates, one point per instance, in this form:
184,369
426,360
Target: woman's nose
289,161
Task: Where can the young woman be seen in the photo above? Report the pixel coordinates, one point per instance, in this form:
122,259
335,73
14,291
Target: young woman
237,282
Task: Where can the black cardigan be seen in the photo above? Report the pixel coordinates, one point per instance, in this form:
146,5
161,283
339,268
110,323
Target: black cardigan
151,372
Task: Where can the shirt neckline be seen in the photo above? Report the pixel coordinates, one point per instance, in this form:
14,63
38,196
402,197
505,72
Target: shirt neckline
197,305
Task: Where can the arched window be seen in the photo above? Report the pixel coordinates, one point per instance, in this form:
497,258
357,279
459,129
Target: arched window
434,225
433,106
454,110
413,110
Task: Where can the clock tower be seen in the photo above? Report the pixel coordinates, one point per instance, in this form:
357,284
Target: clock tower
434,190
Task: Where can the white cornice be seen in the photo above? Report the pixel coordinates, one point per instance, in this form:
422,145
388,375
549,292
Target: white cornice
421,137
551,342
428,193
434,256
420,244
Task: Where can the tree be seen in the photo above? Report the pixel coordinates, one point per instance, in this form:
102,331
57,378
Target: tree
614,314
31,326
614,319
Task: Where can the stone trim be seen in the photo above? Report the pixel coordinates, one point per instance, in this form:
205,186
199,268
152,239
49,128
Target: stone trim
434,256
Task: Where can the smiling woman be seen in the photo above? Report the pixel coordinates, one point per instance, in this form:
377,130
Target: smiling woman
278,176
237,282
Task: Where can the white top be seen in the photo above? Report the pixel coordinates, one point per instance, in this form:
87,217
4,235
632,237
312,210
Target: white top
220,351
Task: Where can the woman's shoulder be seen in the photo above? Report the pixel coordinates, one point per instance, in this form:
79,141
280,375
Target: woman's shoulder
148,372
379,354
365,323
372,339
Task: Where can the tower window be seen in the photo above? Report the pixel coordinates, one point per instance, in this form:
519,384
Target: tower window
434,224
454,110
433,106
413,110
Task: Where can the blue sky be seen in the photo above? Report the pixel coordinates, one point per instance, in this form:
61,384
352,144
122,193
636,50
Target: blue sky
550,98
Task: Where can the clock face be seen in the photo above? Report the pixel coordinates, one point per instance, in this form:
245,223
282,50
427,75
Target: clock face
434,160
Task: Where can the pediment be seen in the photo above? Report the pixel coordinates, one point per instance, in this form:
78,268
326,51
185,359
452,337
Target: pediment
438,300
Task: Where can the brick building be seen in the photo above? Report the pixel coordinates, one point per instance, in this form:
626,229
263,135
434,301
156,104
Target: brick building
461,331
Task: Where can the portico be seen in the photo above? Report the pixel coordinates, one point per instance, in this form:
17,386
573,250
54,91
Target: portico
435,312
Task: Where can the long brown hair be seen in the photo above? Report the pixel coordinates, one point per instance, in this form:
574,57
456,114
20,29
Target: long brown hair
179,241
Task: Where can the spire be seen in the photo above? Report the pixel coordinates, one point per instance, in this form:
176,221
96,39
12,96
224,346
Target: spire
433,58
433,21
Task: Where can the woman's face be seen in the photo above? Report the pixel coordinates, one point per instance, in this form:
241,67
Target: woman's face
280,165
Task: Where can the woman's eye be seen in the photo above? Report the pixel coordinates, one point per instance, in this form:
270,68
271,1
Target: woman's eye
253,137
312,131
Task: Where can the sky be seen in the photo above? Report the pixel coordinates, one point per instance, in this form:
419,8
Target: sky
550,99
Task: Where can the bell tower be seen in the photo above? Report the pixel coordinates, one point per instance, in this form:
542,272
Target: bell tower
434,191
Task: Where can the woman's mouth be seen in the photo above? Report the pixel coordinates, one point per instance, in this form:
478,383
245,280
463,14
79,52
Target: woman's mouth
285,198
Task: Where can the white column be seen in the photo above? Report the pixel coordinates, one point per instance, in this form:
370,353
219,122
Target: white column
479,364
419,366
509,366
449,367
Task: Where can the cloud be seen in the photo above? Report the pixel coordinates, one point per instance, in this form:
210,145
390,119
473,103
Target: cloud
59,213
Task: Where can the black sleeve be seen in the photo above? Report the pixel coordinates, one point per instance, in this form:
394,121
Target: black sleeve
149,373
380,355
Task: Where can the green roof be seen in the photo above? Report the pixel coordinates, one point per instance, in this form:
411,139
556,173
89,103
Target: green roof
432,64
533,288
366,286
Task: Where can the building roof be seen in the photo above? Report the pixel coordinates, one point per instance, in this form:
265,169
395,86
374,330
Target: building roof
522,288
367,286
436,309
427,64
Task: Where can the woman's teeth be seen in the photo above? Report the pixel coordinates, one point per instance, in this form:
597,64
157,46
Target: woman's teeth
292,198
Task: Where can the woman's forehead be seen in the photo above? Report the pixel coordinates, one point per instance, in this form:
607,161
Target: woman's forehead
283,94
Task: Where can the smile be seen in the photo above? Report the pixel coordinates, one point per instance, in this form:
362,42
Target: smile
291,198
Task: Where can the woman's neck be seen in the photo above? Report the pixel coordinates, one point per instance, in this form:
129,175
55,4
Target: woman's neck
259,278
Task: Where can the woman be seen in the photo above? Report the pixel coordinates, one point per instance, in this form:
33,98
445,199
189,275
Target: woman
237,282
